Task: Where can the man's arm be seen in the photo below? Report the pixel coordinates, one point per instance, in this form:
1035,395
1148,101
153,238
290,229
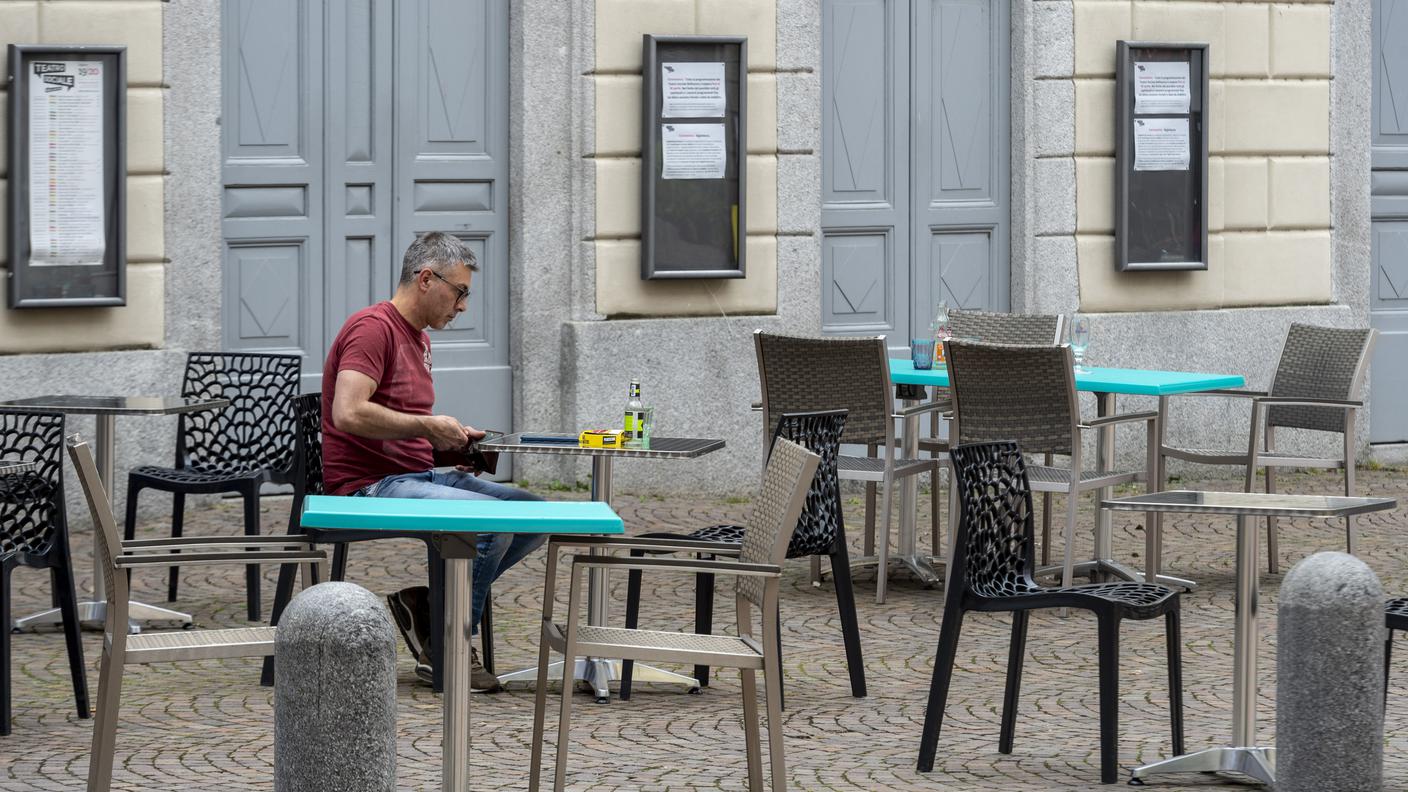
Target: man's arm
354,412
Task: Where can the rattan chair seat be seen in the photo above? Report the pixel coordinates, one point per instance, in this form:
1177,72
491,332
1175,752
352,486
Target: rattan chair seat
200,644
689,646
1040,475
873,468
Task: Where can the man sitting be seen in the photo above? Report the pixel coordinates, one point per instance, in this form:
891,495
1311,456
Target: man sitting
380,438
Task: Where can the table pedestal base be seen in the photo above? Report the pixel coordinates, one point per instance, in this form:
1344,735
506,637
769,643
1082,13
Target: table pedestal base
1109,566
921,566
93,615
1255,763
599,672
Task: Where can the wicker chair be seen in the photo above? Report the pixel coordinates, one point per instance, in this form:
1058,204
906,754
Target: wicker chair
786,481
308,480
1028,394
235,449
820,532
852,374
34,533
992,571
119,648
1318,385
993,328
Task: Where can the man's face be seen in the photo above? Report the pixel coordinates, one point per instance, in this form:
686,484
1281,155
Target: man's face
444,296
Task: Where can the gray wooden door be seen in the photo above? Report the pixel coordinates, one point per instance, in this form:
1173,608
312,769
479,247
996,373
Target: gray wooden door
350,126
1389,211
915,180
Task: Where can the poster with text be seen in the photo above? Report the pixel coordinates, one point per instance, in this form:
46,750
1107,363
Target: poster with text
66,163
693,151
692,90
1161,144
1161,87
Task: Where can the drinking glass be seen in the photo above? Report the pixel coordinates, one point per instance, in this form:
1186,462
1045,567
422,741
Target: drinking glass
1080,339
921,352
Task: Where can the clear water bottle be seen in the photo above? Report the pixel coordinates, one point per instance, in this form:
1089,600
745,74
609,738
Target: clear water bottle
940,330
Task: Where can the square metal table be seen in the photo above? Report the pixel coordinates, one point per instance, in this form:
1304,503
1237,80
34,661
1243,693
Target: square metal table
598,672
454,526
106,409
1244,756
9,467
1106,383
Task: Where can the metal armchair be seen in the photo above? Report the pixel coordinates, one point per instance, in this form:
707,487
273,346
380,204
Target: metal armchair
119,648
1318,385
810,374
758,569
1027,394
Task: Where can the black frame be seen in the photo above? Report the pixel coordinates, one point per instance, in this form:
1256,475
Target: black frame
107,286
1160,182
653,213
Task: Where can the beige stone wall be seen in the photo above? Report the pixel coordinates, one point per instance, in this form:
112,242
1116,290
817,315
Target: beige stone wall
137,25
616,157
1269,147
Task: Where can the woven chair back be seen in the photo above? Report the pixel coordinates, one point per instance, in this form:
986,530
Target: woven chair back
32,502
820,523
786,480
812,374
1005,328
1319,363
308,417
995,532
255,432
108,544
1026,394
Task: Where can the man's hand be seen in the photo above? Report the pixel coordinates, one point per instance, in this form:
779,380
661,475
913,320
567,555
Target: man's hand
445,433
475,434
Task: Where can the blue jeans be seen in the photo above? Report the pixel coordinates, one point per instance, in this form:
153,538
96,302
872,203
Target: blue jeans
496,552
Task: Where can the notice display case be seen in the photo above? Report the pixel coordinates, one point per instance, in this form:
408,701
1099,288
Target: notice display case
694,156
1161,156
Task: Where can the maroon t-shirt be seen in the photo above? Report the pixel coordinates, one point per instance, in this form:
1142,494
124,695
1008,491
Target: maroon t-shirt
380,343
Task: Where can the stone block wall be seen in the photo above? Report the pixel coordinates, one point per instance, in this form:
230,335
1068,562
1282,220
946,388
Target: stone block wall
136,24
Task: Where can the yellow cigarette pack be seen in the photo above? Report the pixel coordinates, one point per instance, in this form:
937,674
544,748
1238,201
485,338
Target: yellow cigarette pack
602,438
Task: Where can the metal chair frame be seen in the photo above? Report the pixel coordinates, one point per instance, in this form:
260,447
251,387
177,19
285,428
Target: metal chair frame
121,649
758,570
1288,404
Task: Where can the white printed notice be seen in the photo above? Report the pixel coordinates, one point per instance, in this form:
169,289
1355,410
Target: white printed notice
693,151
1161,144
692,90
1161,87
66,163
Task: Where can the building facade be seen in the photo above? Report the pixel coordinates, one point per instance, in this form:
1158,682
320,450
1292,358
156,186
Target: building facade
282,153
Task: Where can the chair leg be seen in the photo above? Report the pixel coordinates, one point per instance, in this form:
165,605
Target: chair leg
938,685
283,592
1388,655
846,606
628,667
105,727
1068,566
339,561
752,738
486,633
772,679
882,568
564,717
436,580
1351,543
1109,640
935,536
129,527
1016,654
4,650
178,521
1175,679
1273,551
1046,529
73,638
703,617
251,571
869,539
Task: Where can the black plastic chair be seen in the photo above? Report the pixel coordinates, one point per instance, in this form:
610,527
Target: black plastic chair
308,480
34,533
1395,618
820,531
993,561
235,449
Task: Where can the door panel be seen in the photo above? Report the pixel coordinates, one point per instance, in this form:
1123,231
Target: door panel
1388,201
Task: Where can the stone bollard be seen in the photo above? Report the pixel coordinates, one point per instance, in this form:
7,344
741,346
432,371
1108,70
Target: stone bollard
1330,677
335,693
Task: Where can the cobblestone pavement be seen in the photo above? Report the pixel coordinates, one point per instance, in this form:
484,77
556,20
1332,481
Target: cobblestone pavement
210,726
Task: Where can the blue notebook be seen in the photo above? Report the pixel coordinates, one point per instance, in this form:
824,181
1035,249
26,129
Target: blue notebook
549,439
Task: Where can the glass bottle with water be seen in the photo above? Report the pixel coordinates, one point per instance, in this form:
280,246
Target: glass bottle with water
940,330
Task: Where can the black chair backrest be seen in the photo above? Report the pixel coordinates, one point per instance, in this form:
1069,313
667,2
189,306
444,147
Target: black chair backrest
994,542
819,432
255,432
32,502
308,418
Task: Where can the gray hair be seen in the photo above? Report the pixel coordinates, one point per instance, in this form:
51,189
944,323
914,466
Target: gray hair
438,252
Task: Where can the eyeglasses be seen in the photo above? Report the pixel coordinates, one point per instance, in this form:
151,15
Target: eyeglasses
461,292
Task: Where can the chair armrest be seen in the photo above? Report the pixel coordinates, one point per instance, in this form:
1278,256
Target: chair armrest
1298,401
1119,419
1236,392
924,407
653,545
220,542
262,557
678,564
756,406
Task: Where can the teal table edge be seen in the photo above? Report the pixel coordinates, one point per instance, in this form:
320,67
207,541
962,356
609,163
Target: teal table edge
1134,382
412,515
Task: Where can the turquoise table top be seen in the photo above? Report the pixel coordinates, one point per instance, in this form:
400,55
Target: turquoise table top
1136,382
402,515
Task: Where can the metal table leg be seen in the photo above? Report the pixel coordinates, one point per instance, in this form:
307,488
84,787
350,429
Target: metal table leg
458,552
1243,756
93,613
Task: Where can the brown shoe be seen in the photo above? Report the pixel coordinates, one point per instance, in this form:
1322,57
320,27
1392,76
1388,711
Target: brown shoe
480,680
